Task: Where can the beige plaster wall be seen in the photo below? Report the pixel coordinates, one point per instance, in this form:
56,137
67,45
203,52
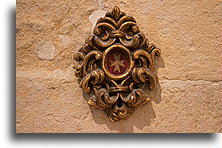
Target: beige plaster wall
48,97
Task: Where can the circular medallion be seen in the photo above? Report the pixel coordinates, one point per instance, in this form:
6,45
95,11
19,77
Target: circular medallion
117,62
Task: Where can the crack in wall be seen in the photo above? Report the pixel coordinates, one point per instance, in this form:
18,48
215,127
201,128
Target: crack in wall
166,79
169,84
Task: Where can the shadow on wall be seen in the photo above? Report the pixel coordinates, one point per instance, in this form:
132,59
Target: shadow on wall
143,114
12,68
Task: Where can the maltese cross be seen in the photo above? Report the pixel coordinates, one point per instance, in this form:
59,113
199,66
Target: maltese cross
117,63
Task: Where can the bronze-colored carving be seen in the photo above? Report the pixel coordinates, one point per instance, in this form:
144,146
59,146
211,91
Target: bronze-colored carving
115,64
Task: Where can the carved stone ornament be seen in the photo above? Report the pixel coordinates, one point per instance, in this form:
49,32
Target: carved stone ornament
115,64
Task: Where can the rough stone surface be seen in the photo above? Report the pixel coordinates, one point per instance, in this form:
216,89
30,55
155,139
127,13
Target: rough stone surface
65,40
188,99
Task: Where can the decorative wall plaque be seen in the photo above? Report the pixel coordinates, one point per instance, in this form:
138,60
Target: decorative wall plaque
115,64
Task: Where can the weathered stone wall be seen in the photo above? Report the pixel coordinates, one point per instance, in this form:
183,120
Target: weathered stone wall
48,97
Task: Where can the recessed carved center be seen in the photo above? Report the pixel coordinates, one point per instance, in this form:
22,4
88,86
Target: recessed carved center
117,62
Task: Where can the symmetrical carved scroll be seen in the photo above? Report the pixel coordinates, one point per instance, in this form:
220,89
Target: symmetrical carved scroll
115,63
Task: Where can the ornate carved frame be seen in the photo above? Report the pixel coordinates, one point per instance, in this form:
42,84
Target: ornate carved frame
118,94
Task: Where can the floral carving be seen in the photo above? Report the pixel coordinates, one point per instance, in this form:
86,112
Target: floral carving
115,64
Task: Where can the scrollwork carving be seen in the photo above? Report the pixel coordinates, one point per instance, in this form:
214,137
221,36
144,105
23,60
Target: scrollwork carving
115,63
